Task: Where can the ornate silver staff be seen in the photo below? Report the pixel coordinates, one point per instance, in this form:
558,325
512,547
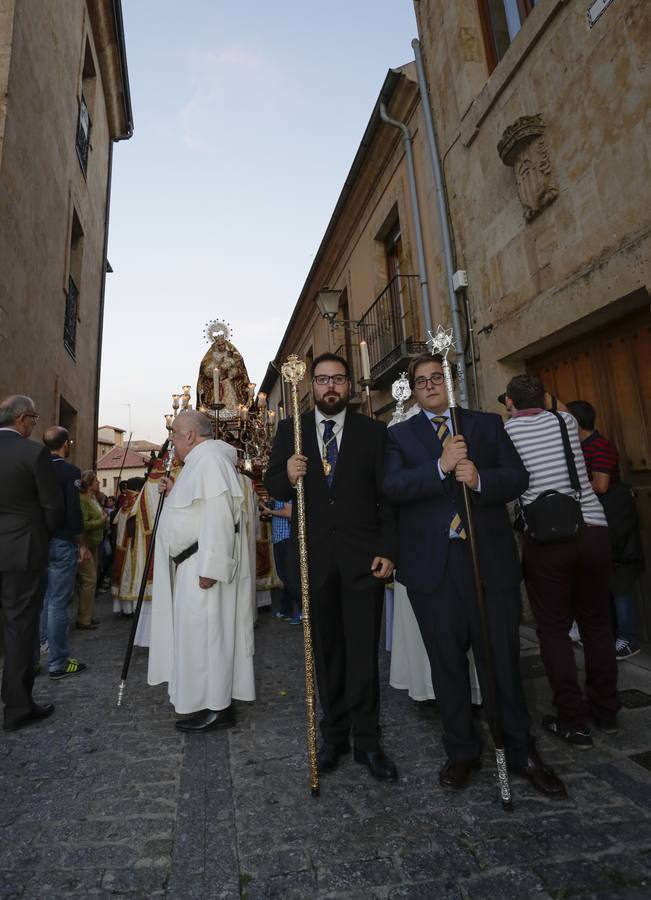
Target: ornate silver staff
143,581
293,372
441,343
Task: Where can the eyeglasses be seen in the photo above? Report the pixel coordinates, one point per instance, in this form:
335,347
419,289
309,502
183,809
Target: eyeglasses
34,416
435,378
326,379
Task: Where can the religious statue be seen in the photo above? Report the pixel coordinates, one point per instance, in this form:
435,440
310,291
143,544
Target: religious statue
223,378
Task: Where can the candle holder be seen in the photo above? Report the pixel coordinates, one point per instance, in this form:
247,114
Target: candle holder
175,404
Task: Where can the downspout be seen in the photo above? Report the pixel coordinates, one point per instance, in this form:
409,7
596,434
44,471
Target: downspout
100,327
420,251
444,221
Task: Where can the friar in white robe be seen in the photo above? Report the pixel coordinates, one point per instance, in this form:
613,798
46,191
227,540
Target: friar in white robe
202,620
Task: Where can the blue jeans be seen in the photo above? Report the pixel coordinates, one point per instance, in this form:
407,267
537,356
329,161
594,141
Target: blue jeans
626,617
61,573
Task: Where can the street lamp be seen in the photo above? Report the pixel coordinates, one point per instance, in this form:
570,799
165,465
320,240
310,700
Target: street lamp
327,301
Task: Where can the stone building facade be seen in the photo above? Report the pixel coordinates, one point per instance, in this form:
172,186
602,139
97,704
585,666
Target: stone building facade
64,101
369,255
542,117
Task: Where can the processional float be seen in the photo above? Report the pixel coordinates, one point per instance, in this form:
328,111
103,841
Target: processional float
440,343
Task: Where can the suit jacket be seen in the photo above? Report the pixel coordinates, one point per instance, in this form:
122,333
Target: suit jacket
31,503
349,523
426,503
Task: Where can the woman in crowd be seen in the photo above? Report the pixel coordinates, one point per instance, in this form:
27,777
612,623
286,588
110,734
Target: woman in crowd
93,534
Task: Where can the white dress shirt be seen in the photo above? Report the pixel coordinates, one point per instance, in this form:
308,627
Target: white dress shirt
338,419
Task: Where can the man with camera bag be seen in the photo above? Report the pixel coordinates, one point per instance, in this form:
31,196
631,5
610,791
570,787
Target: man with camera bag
566,561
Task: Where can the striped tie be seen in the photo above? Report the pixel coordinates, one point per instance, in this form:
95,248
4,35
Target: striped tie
443,434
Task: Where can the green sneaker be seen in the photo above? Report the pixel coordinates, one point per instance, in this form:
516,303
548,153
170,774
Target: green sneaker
72,667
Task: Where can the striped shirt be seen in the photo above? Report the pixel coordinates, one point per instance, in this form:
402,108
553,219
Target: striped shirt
600,456
540,445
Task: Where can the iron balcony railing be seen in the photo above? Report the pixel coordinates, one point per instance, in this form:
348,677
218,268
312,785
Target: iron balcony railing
389,325
350,352
84,126
70,319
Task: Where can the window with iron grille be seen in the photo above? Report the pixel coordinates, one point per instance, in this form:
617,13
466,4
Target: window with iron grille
84,126
500,22
70,320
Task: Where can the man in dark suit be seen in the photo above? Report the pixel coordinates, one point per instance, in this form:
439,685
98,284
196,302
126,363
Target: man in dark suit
31,507
352,544
425,467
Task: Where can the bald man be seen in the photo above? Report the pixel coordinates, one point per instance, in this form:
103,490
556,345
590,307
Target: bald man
31,507
66,550
201,617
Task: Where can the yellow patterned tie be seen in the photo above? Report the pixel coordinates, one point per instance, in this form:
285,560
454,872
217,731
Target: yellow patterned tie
443,434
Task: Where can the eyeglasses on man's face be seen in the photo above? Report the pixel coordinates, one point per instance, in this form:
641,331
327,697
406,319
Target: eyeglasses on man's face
34,416
435,378
326,379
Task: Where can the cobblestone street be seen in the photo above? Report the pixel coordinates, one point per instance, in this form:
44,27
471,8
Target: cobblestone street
100,801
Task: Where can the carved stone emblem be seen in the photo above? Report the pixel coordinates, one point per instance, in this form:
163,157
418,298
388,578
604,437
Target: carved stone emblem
523,148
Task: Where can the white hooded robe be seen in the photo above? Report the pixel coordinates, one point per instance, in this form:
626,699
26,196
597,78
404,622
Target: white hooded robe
202,640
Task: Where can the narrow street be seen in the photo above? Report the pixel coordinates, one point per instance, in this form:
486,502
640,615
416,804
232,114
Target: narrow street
100,801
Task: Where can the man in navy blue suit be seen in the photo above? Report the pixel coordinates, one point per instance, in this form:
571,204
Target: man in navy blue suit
425,466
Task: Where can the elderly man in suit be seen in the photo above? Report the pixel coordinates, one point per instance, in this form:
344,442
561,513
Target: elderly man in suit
425,468
352,541
31,507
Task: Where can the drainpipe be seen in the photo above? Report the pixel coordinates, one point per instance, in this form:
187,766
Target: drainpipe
102,296
420,252
444,221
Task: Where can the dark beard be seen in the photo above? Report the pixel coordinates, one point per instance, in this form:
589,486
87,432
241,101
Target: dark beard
332,408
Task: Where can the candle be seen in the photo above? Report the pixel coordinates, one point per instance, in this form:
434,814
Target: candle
366,363
262,400
215,384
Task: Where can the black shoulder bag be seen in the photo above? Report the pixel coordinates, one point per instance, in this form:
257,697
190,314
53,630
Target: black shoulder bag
553,516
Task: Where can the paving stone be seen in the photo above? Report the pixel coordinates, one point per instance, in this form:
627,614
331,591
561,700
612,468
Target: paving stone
573,876
106,802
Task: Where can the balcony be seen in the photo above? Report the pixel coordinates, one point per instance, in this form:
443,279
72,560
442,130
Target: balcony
70,319
388,328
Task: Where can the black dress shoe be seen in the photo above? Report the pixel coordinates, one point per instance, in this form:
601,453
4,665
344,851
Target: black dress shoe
378,764
456,773
36,714
207,720
328,756
541,776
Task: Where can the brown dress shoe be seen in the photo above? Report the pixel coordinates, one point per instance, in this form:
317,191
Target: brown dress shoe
456,772
544,779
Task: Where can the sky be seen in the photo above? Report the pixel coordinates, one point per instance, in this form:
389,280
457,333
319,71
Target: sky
247,119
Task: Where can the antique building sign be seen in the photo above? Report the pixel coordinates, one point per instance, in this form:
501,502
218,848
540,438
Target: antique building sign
523,148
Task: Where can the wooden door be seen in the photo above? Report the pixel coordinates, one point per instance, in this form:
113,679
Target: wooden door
611,368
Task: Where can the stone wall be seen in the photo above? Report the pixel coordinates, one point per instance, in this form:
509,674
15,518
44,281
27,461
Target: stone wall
41,184
576,102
